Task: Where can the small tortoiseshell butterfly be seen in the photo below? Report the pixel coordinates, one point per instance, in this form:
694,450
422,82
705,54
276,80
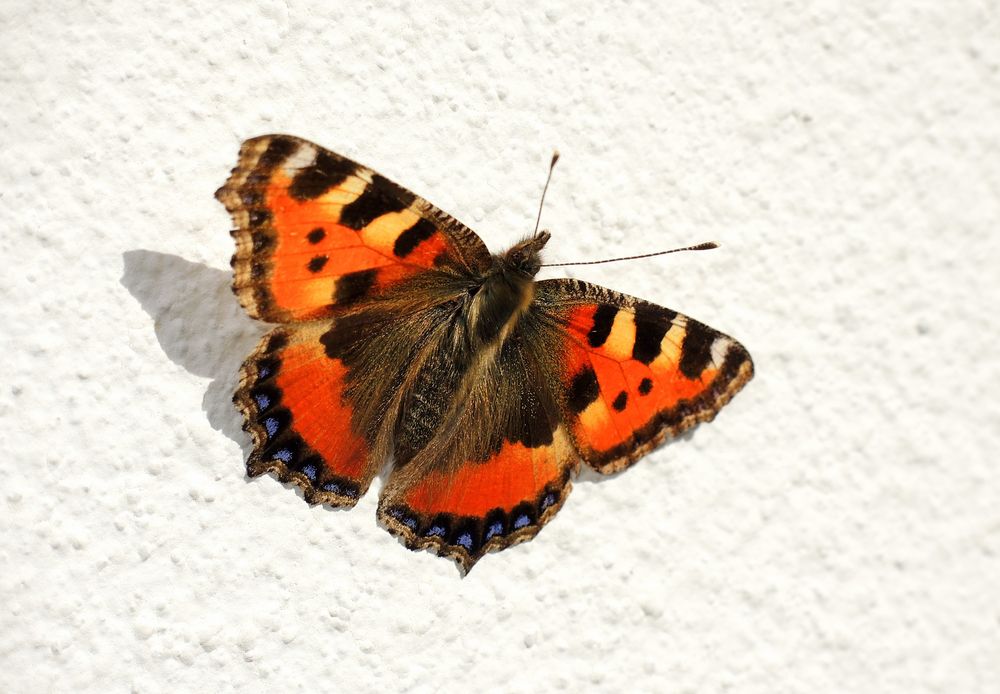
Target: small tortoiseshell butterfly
402,337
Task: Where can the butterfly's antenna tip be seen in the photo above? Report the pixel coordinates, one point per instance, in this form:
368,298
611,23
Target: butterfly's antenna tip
552,165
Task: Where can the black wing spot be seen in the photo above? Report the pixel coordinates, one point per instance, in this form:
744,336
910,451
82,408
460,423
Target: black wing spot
651,324
604,319
380,197
645,386
317,263
340,341
277,341
316,235
322,175
354,285
583,390
696,350
277,151
336,342
413,237
620,401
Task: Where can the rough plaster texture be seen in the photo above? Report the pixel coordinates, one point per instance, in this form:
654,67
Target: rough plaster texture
837,528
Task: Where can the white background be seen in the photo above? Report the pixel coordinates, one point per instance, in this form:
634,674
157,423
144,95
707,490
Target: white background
837,528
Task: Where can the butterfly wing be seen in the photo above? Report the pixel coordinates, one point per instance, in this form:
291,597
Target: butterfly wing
499,468
316,231
291,395
634,374
320,398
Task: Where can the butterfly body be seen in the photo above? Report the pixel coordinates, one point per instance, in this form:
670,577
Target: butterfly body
403,339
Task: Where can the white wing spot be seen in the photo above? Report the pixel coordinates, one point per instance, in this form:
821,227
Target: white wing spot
304,156
720,347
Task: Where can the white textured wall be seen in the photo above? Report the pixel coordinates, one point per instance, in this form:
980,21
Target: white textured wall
837,528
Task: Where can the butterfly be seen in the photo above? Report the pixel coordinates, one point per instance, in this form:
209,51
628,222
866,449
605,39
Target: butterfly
401,338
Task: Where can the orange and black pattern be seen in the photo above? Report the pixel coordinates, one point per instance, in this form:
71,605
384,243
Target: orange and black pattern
503,483
291,396
403,339
316,231
634,374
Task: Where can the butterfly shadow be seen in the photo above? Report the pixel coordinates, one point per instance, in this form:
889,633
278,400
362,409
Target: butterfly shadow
200,326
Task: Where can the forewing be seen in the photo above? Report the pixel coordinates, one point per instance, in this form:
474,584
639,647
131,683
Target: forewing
316,231
633,374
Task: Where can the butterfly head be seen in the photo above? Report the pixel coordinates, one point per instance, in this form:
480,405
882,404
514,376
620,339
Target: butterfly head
525,258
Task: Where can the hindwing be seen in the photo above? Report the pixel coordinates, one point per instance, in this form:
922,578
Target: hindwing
500,465
293,398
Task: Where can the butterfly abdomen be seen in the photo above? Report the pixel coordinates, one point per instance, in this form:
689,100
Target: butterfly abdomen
430,396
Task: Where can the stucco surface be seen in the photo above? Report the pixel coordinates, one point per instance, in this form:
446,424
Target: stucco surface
837,528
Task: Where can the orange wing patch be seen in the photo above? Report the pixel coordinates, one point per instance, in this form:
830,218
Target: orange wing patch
291,396
465,512
316,231
635,373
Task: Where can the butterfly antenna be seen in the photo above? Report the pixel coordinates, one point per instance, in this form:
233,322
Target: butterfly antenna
552,165
708,245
